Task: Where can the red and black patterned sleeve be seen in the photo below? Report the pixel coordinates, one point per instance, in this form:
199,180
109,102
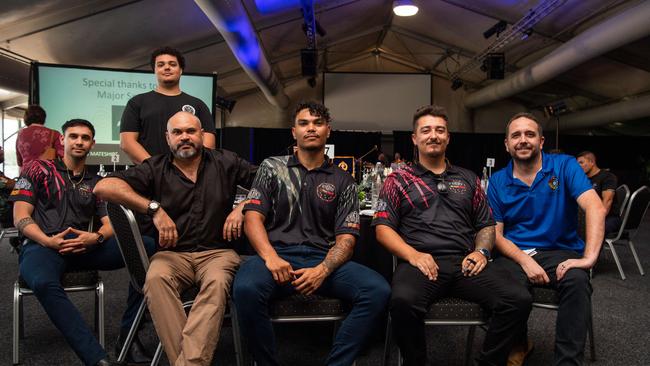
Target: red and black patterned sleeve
34,181
482,214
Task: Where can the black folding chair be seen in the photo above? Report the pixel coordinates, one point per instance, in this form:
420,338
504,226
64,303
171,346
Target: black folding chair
136,260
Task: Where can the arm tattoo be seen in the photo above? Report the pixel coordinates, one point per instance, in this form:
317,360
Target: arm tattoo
340,253
24,223
485,238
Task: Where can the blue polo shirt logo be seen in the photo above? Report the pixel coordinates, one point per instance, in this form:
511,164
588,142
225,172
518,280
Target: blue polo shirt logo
554,183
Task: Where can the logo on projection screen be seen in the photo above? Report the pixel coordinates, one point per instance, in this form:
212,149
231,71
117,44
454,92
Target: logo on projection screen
116,116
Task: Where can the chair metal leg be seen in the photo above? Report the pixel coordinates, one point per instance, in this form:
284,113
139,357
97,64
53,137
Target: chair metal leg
16,324
132,331
100,313
387,341
610,244
636,257
157,355
470,343
236,335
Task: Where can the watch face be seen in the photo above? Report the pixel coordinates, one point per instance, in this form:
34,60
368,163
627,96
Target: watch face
153,205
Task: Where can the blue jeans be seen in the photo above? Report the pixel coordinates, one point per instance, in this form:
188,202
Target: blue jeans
363,288
41,268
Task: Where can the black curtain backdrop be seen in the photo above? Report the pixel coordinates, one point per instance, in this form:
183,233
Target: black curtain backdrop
626,156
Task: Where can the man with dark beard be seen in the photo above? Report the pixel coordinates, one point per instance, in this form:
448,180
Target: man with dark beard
535,203
188,193
434,217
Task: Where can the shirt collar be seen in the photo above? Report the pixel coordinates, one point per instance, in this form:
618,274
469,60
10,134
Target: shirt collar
546,168
326,167
420,170
60,166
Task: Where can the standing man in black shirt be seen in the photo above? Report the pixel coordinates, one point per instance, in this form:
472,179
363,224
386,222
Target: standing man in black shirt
189,193
53,207
434,217
302,219
605,184
144,120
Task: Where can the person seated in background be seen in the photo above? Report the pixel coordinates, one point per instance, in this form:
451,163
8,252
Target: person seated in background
605,184
54,205
302,219
37,141
535,201
189,193
397,163
435,219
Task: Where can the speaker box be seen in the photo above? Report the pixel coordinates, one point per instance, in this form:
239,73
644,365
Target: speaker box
309,61
495,65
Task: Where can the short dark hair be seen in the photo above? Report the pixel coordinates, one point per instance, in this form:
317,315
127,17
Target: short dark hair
587,154
167,51
430,110
315,108
530,116
34,114
78,122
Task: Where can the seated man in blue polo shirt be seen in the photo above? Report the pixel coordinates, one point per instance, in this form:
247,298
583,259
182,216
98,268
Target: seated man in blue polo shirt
434,217
302,219
535,203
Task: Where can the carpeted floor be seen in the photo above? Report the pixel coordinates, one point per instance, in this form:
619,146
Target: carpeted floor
621,320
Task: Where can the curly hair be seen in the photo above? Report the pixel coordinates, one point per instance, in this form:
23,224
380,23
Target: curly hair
315,108
167,51
34,114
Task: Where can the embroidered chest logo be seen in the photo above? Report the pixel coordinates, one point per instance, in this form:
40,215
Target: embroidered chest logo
189,109
554,183
326,192
85,191
254,196
457,186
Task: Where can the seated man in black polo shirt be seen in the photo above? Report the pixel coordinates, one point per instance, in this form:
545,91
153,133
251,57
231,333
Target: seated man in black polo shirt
189,193
302,219
53,206
605,184
434,217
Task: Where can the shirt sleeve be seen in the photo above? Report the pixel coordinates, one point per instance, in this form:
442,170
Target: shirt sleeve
245,172
480,207
388,203
207,120
140,178
493,200
610,183
347,211
27,186
130,121
577,181
100,208
264,186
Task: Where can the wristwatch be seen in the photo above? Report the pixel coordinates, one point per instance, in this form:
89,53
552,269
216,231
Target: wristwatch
153,207
485,252
100,237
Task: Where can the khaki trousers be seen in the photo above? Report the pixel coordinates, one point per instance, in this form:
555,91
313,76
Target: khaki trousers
191,339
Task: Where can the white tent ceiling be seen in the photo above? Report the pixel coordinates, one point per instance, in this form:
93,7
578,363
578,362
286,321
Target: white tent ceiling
362,36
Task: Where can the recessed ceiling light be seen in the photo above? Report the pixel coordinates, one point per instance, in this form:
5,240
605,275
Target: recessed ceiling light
617,124
404,8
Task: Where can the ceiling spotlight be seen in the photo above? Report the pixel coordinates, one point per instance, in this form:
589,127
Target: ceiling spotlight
496,29
404,8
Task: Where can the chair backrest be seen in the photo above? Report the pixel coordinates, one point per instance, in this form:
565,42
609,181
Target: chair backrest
130,243
636,209
622,197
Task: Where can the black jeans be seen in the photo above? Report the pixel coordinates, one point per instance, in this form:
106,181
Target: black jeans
494,289
574,313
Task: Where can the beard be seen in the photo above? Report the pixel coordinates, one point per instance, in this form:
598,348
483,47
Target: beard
534,154
185,153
